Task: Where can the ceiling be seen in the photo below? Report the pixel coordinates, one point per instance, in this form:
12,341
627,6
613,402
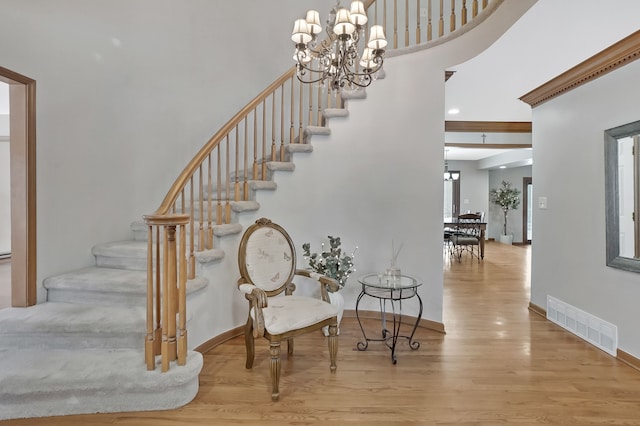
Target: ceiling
552,37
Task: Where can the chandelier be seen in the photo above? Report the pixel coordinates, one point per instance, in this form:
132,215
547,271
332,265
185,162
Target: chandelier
334,60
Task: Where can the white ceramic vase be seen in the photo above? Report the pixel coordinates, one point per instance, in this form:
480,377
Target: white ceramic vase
337,300
506,239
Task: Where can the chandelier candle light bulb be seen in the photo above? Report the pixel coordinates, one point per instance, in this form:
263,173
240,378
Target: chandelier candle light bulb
335,59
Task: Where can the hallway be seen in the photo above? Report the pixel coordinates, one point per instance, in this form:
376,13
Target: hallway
498,363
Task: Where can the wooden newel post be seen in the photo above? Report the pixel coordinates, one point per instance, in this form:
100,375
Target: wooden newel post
166,290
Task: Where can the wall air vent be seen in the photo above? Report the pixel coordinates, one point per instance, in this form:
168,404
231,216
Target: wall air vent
590,328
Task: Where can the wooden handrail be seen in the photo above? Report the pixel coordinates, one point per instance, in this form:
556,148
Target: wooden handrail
193,165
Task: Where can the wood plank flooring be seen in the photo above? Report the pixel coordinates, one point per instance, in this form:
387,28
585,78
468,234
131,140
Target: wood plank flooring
498,364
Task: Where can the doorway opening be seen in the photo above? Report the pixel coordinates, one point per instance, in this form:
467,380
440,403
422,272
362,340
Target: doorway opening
22,159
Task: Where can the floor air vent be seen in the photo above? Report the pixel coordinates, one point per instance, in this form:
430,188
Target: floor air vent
592,329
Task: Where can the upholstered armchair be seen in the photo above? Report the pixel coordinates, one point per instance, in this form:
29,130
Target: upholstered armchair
267,262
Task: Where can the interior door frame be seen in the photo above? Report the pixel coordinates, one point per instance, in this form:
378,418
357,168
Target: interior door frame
526,181
22,141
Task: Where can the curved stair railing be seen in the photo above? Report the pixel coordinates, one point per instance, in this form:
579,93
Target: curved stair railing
243,153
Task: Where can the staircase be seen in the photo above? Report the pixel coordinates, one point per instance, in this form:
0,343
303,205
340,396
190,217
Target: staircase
82,350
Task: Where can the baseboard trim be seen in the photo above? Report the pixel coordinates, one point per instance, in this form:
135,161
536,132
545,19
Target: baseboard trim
538,310
628,359
219,339
348,313
621,355
424,323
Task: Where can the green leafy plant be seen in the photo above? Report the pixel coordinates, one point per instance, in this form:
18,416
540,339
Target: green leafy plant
507,198
333,263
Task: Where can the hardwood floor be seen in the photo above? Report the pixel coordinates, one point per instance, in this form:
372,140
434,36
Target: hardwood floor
498,364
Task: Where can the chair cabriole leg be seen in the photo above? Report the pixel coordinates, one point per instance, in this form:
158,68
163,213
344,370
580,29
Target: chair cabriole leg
249,343
333,345
274,348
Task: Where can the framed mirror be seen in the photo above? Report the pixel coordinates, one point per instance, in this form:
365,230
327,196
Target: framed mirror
622,197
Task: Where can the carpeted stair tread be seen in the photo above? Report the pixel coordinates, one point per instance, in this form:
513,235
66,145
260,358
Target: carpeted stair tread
128,248
284,166
299,147
100,279
105,286
243,206
128,254
359,93
54,317
230,228
35,383
335,112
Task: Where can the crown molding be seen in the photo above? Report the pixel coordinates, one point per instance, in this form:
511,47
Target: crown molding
488,126
617,55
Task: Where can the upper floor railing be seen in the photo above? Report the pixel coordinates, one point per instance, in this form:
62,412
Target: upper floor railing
412,22
222,175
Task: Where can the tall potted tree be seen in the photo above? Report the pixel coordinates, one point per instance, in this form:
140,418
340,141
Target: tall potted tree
507,198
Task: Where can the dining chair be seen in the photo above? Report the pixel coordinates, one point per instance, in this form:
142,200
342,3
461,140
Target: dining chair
466,238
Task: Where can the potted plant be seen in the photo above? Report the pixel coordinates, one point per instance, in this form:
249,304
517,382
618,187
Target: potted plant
507,198
333,263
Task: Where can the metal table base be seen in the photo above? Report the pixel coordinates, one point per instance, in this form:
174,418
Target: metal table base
394,295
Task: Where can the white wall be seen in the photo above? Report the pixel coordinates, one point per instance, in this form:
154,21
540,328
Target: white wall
127,91
495,218
568,251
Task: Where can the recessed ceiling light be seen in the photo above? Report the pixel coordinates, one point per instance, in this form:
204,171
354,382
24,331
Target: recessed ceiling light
453,111
503,167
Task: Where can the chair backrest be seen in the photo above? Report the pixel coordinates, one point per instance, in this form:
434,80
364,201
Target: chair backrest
470,217
267,257
469,223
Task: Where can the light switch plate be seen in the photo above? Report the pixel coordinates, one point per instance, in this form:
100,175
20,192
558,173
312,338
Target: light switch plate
542,202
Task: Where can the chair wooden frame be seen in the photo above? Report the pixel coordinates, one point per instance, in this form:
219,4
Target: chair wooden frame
259,300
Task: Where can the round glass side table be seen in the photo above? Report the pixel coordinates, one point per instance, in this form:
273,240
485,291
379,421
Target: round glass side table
393,291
